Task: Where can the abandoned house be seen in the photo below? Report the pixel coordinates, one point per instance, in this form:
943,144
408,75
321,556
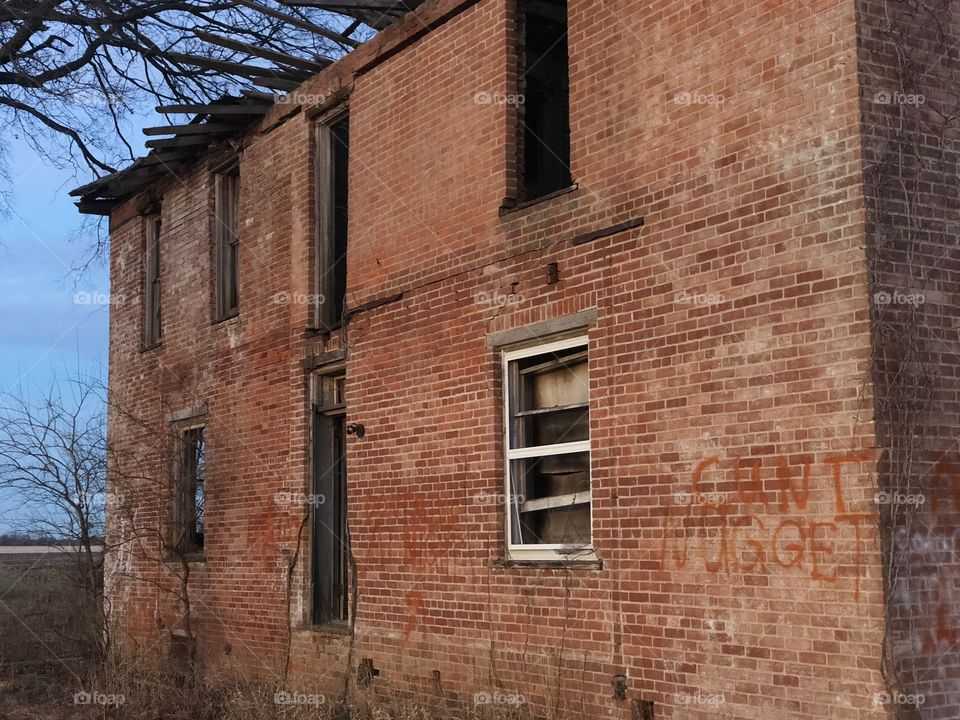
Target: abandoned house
599,357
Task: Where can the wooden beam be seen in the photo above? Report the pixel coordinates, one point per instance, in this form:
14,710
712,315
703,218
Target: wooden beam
162,157
94,184
352,28
177,142
310,66
376,20
130,182
142,172
233,68
196,129
275,83
214,109
96,207
298,22
337,5
260,96
378,14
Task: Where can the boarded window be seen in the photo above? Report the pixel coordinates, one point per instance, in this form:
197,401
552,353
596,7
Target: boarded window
226,219
545,85
191,491
152,327
333,157
548,447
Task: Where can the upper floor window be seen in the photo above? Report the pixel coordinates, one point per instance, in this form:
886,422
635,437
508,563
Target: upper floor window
226,232
547,420
545,84
333,157
152,327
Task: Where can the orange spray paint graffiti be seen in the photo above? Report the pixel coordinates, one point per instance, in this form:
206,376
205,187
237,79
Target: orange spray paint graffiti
745,517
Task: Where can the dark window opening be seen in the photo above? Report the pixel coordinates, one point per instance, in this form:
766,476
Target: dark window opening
329,568
152,327
191,479
545,84
227,211
333,174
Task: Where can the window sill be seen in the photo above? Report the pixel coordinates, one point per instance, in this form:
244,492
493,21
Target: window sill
191,558
558,564
333,629
227,320
511,206
322,330
144,348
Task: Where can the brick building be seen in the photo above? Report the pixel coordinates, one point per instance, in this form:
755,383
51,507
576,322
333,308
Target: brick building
598,353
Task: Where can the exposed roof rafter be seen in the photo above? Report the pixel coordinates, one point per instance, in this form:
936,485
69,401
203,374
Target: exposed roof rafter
215,121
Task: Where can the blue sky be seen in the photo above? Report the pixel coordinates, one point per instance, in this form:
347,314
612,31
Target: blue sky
45,329
53,324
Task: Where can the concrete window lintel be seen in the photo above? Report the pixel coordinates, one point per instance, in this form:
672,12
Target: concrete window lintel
535,332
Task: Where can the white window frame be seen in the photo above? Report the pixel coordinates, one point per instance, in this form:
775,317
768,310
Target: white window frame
555,552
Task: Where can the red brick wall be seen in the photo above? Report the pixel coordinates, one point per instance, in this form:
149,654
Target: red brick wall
241,370
733,130
908,69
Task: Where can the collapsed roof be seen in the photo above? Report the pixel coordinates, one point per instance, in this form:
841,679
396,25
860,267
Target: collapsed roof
177,145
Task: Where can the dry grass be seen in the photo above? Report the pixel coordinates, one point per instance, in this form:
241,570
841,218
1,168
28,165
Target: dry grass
123,691
45,669
43,616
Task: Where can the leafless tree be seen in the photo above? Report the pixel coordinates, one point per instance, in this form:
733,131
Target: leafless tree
72,72
53,455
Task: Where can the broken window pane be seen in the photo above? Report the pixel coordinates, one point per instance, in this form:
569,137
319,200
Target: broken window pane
549,450
552,399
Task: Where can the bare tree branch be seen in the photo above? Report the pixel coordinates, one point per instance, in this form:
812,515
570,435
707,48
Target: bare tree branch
74,72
